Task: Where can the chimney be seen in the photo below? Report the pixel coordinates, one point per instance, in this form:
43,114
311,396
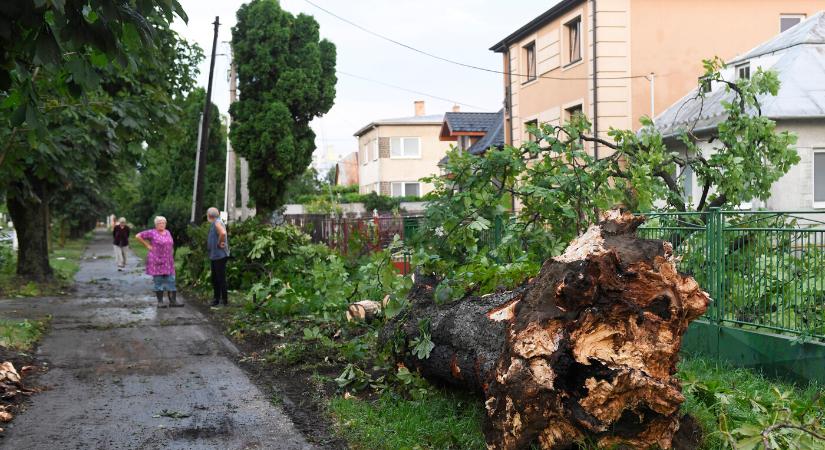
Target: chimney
419,107
456,108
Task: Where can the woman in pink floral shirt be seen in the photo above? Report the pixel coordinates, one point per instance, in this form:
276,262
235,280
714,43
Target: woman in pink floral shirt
160,262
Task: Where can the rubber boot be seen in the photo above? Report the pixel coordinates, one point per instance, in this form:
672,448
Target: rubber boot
173,299
159,295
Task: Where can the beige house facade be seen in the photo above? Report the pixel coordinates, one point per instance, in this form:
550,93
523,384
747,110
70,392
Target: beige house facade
648,53
394,154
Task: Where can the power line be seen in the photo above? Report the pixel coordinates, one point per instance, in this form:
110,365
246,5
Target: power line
411,90
459,63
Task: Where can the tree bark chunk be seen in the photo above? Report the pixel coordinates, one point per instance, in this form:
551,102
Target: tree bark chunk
586,350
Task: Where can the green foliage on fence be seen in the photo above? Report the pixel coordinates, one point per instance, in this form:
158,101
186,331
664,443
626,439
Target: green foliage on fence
763,269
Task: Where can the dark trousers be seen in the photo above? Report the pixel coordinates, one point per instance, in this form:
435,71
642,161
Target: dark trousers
219,287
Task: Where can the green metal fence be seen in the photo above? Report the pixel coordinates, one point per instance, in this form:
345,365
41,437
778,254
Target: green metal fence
763,269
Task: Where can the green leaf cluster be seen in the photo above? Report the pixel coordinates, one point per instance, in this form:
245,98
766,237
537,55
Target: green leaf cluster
82,85
496,217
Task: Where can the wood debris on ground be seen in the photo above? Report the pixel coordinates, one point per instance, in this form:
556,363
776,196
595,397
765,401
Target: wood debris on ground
12,389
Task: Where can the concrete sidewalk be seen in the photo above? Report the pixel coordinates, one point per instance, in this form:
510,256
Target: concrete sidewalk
117,363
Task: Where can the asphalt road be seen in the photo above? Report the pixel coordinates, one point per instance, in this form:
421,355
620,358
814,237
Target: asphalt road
119,367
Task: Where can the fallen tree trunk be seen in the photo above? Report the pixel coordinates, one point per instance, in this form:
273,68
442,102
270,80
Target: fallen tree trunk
586,350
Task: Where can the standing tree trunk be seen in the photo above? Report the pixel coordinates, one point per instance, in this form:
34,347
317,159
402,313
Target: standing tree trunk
585,351
30,216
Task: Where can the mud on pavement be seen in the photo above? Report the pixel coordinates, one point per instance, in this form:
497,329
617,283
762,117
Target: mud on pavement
125,375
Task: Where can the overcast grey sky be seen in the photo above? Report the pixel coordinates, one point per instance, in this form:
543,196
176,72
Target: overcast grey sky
462,30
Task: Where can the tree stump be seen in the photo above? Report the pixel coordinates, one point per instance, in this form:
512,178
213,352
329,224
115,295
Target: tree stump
586,350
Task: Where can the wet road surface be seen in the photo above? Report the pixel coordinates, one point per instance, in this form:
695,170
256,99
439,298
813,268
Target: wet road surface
119,367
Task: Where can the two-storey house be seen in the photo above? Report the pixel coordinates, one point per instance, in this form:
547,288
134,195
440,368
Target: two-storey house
628,59
394,154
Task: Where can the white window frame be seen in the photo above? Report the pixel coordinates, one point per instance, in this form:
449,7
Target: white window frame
580,41
801,18
528,48
816,204
366,157
737,68
403,186
401,140
373,146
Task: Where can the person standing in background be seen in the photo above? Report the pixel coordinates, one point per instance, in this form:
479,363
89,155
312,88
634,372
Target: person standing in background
217,244
160,261
121,242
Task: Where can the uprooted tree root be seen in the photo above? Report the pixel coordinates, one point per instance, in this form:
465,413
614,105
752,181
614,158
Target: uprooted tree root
587,350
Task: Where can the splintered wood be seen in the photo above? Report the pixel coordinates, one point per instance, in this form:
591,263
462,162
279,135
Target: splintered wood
586,350
11,387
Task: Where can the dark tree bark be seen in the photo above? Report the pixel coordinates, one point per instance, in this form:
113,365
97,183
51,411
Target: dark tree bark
30,215
586,350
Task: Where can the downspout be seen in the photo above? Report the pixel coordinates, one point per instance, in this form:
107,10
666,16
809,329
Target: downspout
595,89
508,92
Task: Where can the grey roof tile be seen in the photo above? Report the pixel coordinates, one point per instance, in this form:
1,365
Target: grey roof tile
493,138
470,121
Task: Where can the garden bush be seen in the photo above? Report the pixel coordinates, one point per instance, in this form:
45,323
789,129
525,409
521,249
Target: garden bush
284,274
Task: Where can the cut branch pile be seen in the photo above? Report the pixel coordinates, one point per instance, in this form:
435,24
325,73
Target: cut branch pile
586,350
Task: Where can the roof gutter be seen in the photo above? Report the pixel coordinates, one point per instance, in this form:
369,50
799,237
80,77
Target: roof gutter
552,13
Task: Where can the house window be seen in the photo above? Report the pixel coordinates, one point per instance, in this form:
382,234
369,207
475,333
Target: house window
530,57
572,111
530,125
405,147
787,21
574,39
404,189
374,149
743,71
365,155
819,178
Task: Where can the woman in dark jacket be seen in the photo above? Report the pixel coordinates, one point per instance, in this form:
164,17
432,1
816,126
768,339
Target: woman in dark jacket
121,241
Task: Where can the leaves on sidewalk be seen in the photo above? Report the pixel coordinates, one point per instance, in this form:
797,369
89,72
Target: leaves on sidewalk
172,414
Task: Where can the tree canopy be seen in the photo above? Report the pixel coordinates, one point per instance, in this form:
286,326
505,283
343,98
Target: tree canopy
286,77
82,85
560,187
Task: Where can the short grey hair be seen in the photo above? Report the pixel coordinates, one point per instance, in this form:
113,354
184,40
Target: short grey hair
159,219
122,220
213,212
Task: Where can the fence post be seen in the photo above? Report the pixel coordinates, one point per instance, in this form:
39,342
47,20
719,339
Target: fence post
498,228
715,263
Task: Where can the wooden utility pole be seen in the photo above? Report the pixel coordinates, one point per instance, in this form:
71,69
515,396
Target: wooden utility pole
197,211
